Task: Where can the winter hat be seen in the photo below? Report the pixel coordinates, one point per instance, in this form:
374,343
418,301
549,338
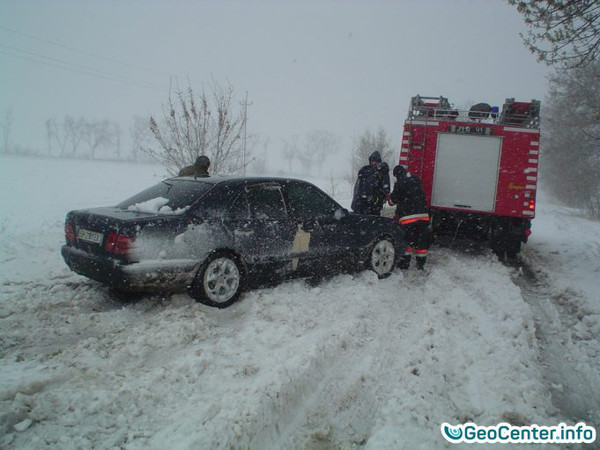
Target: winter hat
399,171
202,162
375,157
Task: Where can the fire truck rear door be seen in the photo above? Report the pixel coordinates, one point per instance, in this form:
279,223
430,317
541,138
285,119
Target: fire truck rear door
466,171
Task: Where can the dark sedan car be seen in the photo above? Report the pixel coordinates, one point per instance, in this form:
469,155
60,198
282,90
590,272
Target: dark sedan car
216,236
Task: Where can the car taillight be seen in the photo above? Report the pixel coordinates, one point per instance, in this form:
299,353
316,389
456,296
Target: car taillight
532,204
118,243
70,235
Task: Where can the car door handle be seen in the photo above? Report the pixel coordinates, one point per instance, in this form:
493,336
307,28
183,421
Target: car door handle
308,224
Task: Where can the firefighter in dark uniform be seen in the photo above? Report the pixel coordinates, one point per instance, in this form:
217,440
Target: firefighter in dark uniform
412,215
371,187
198,169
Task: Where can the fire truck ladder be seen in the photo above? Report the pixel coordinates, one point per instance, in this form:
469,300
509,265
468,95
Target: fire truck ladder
425,109
416,148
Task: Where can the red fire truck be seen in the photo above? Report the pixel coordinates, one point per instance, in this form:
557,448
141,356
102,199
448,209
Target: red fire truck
479,168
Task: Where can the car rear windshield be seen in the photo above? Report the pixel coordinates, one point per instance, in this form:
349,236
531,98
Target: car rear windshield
180,193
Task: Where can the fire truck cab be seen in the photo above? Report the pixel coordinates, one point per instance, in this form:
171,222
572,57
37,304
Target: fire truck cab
479,168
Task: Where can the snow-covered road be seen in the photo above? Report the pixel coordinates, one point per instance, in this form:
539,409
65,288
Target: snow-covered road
354,362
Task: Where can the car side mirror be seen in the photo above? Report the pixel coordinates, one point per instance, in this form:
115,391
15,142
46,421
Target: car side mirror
341,213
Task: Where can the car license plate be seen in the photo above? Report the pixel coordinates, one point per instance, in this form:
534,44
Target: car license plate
89,236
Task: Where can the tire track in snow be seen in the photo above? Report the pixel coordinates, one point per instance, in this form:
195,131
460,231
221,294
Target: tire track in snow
570,363
334,401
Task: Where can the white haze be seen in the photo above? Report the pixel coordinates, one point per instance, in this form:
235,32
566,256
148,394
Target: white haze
340,66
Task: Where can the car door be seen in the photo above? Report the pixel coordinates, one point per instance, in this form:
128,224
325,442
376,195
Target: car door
262,230
319,215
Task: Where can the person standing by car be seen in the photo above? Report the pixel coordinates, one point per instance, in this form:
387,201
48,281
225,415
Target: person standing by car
198,169
371,187
412,215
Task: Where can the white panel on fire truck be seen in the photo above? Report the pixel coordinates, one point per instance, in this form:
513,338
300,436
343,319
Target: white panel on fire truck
424,122
466,172
523,130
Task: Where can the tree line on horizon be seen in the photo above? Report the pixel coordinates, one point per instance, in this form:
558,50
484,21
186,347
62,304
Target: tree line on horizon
194,123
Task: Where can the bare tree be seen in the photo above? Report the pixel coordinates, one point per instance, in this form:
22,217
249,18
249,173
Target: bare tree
290,150
259,162
97,134
58,133
364,146
319,144
566,32
71,134
116,138
199,124
50,126
75,131
6,127
571,158
140,135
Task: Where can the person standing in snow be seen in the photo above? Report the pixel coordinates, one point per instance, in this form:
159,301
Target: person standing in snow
371,187
412,215
198,169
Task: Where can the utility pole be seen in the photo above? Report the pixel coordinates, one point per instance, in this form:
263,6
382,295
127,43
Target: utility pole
245,134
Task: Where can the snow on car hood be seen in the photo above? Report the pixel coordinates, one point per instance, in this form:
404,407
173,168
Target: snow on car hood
156,205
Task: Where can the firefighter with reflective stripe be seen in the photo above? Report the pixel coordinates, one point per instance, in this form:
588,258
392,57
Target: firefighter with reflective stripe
372,186
412,215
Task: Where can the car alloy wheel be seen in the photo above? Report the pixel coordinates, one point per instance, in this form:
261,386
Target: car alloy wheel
218,282
383,256
221,280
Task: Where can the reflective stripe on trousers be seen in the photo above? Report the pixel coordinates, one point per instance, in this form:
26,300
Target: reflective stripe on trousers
418,252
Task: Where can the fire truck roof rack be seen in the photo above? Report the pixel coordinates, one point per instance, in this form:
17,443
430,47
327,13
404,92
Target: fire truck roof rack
521,114
518,114
433,107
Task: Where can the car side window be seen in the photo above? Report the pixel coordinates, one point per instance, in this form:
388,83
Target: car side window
305,201
266,202
239,210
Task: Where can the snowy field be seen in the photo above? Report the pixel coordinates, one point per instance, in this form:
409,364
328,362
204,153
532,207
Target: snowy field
352,363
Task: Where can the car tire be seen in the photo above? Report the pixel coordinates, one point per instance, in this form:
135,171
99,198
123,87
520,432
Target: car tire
382,257
218,282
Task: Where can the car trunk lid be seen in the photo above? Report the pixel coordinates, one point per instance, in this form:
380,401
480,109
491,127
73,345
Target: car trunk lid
109,230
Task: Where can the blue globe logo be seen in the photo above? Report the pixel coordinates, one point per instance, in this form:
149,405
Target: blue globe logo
452,433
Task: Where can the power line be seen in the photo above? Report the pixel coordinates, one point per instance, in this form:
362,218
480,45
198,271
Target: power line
76,68
84,52
92,54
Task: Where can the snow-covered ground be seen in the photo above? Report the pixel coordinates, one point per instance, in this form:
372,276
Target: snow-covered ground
354,362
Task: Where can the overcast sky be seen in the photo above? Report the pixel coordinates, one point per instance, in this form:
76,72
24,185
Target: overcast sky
341,66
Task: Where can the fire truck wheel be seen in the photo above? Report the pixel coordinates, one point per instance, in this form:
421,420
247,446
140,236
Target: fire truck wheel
513,247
